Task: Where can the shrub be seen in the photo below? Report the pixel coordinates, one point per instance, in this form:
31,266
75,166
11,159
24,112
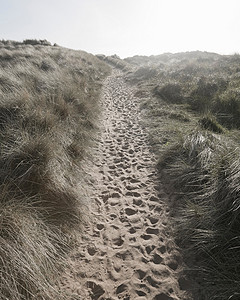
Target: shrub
142,73
228,107
171,92
115,61
205,89
35,42
201,97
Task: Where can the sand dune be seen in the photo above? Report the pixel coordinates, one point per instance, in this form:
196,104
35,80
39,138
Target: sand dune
127,250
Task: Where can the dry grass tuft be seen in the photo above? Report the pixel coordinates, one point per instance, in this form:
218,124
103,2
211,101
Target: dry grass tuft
115,61
198,160
48,113
209,122
31,252
204,172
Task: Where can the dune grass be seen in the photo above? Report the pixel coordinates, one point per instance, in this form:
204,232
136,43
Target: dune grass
115,61
48,112
204,170
192,117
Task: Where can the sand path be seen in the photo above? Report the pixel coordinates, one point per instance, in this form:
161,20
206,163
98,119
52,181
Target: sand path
126,251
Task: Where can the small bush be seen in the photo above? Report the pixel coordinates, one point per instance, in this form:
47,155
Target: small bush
142,73
205,89
170,92
228,106
201,97
115,61
35,42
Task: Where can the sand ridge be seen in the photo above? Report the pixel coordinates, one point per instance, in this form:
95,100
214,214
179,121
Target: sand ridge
126,250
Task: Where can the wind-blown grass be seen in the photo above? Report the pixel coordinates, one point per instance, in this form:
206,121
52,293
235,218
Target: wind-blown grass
205,82
48,112
198,160
31,251
204,171
115,61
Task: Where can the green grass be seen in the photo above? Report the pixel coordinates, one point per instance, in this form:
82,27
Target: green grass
48,121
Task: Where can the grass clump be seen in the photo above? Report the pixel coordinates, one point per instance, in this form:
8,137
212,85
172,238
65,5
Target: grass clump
170,92
48,113
228,107
204,171
198,160
31,252
209,122
205,82
115,61
139,74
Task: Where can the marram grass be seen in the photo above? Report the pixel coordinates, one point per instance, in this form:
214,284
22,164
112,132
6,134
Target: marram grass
48,112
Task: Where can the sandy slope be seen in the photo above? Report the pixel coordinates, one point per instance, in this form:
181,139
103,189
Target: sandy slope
126,251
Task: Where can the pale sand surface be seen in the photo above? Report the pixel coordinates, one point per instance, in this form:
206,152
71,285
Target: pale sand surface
126,250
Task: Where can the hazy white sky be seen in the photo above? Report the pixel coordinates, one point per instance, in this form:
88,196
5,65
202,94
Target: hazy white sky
126,27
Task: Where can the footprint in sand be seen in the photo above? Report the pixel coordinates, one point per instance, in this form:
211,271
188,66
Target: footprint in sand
125,252
130,211
96,291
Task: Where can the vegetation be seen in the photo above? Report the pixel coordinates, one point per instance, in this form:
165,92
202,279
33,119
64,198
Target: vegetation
115,61
48,109
204,171
209,122
204,82
191,107
48,112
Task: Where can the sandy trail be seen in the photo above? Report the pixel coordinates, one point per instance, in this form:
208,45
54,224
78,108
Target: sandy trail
126,251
